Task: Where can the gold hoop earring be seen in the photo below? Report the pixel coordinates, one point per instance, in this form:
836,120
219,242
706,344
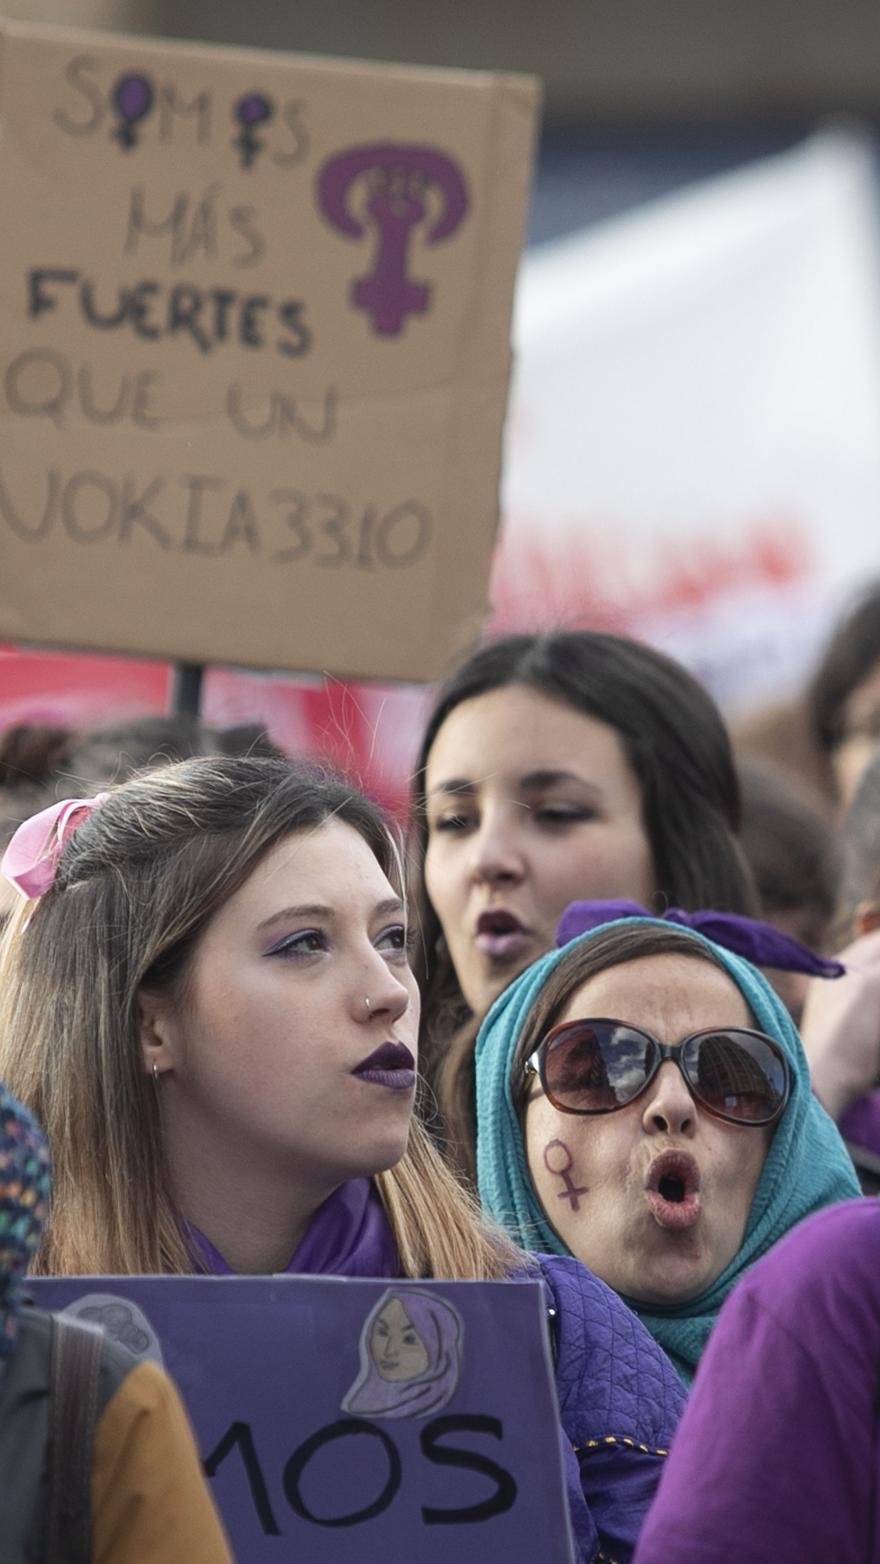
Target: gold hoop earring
155,1075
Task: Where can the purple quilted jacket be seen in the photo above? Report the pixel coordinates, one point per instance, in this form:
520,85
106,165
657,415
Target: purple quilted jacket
619,1402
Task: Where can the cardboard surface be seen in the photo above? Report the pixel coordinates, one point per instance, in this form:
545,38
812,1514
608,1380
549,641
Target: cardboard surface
329,1435
254,316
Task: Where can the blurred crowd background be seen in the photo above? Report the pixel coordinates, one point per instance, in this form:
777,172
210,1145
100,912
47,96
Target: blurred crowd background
691,452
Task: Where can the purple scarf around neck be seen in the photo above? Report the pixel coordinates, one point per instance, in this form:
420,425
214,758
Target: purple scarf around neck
348,1235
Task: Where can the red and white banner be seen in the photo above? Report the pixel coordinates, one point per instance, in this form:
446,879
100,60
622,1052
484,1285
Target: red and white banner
693,450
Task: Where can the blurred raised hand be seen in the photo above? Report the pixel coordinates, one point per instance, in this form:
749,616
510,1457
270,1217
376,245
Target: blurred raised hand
840,1027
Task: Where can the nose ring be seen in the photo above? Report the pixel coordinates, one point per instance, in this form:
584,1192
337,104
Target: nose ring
368,1005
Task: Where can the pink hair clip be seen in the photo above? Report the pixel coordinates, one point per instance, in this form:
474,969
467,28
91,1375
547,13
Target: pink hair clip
30,861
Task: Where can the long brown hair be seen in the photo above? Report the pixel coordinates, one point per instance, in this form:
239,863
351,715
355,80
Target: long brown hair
137,883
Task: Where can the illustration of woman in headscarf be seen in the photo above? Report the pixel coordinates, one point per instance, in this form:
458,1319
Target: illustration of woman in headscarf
410,1350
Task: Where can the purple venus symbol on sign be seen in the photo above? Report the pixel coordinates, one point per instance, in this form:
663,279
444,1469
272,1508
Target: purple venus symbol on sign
250,111
396,186
132,100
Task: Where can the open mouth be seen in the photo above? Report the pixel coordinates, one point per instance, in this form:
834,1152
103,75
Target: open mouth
391,1064
673,1190
500,934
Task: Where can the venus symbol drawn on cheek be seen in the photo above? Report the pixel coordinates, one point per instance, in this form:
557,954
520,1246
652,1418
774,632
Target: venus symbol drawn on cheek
561,1167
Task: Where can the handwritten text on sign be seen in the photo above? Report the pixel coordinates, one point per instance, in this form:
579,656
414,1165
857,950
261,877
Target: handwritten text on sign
256,315
356,1419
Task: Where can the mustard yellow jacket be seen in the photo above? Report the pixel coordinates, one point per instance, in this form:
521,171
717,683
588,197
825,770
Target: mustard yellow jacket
150,1504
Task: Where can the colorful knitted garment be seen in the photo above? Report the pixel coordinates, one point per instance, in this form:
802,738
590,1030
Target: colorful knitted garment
24,1205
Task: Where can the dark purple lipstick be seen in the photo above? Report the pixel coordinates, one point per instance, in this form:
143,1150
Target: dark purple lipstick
391,1064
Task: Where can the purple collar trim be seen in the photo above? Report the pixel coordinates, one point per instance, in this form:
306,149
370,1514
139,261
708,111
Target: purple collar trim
349,1235
759,942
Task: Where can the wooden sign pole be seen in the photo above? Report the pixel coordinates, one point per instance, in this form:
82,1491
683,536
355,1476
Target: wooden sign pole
186,689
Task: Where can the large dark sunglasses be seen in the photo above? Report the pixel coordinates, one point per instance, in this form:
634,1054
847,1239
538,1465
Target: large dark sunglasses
599,1065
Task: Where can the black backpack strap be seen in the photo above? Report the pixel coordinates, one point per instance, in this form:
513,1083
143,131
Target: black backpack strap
74,1364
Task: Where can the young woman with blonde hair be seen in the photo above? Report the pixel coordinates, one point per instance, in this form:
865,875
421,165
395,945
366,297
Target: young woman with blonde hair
207,1000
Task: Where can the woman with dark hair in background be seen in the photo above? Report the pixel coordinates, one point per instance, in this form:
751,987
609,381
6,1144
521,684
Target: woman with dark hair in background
555,767
843,700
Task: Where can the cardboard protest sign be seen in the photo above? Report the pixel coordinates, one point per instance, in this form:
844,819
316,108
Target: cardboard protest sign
356,1420
254,315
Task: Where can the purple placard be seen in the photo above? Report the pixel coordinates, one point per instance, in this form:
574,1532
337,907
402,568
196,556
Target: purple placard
342,1419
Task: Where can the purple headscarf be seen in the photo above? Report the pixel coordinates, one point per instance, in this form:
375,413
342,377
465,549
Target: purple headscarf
440,1331
760,943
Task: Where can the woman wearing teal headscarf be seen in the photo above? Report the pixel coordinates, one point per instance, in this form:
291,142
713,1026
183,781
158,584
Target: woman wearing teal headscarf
665,1131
